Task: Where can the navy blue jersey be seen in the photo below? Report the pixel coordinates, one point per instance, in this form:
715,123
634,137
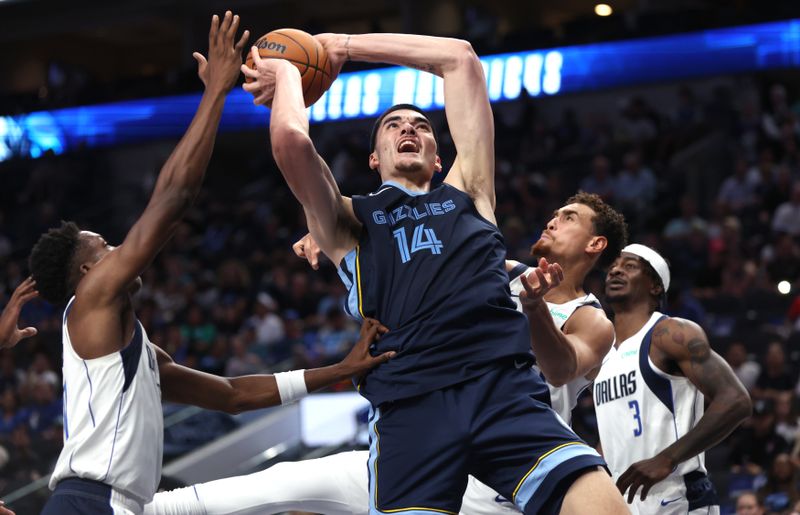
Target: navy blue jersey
432,270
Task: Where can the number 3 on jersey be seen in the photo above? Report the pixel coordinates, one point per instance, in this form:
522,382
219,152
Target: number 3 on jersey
422,239
634,405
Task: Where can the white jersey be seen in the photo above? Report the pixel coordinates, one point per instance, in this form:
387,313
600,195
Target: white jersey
562,398
640,411
113,423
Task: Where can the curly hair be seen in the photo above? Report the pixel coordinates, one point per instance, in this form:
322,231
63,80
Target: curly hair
50,262
607,222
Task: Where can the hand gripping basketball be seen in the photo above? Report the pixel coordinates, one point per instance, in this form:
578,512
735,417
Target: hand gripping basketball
303,51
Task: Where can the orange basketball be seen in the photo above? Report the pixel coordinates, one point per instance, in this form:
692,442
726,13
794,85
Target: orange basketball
306,53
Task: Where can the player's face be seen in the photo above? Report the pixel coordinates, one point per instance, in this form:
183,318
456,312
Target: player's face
98,248
625,278
405,144
567,234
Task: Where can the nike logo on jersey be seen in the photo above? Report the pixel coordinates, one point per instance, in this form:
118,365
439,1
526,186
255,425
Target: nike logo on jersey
664,502
502,500
520,364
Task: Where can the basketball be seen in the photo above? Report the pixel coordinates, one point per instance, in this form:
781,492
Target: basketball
306,53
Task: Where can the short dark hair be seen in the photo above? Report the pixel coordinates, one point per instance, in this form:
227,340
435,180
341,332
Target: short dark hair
607,222
374,134
51,261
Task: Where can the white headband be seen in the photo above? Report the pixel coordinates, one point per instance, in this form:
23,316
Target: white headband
653,258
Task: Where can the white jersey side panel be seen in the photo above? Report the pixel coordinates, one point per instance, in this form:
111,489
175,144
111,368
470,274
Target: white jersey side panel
562,398
113,423
640,409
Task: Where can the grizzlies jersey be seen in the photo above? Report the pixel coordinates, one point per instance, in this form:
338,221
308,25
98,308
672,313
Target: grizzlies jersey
562,398
641,410
113,424
432,270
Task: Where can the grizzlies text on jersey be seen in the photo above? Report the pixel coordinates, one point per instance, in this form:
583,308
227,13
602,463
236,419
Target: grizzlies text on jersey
431,269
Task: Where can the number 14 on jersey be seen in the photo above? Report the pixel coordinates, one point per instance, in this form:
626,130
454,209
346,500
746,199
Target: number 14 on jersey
422,239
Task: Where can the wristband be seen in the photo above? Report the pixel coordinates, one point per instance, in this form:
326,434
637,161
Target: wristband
291,385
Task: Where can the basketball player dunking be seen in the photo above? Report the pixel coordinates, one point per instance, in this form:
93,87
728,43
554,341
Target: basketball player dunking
113,375
583,234
650,392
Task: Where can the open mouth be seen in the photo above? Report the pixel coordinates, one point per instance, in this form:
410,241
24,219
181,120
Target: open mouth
408,146
615,283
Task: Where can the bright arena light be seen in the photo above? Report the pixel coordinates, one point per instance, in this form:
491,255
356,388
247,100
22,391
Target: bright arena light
784,287
603,10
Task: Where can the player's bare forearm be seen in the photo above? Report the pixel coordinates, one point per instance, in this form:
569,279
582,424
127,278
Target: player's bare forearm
330,216
432,54
555,355
721,417
175,191
729,403
182,175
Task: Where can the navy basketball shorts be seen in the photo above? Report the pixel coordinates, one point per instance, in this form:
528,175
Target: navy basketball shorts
77,496
496,427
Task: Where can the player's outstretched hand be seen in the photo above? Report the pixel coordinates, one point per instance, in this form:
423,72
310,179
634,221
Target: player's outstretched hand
10,334
538,282
221,69
307,248
337,48
645,474
359,360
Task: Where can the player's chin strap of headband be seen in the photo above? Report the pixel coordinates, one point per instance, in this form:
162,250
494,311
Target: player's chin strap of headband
291,385
655,260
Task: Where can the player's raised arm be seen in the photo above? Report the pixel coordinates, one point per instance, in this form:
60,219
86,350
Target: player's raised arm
466,99
728,403
181,176
329,215
237,394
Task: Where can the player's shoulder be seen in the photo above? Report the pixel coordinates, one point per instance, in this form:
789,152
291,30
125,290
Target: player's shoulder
673,334
590,321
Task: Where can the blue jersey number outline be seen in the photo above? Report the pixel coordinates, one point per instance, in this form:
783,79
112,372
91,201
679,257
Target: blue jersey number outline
422,239
634,405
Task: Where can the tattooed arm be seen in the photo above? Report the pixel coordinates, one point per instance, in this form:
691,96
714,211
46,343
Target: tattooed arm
685,344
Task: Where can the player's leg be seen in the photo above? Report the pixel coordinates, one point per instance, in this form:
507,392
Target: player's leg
417,462
334,485
595,490
521,448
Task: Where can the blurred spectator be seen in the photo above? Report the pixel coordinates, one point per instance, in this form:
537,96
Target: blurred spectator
267,324
681,226
745,368
12,415
336,337
780,492
635,186
755,444
600,181
787,215
782,259
748,503
736,192
775,377
242,361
